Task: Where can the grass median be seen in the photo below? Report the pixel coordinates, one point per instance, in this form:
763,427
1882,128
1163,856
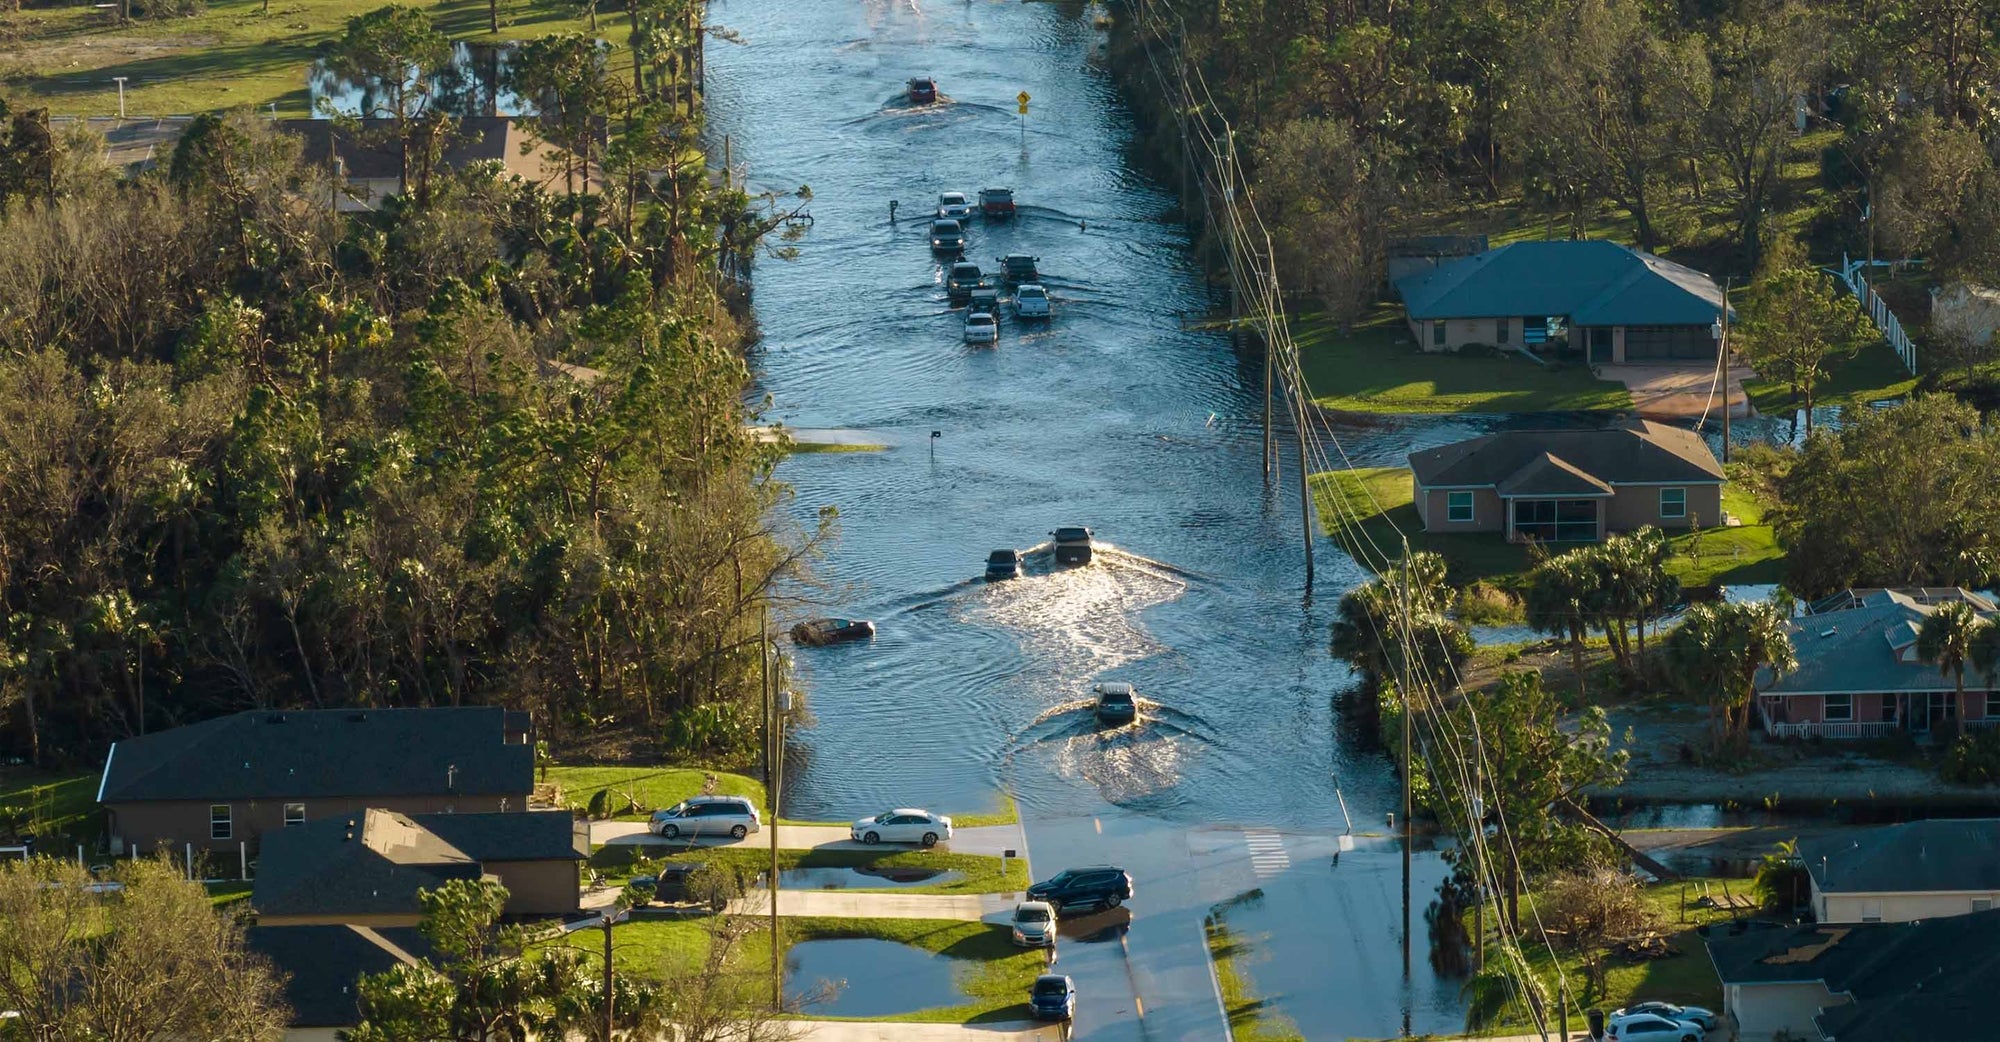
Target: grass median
1251,1018
974,873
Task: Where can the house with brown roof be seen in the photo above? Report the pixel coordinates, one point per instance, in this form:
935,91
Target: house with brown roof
1568,485
369,165
1858,674
367,869
221,784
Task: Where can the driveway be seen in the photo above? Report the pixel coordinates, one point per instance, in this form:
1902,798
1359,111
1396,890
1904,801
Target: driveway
990,840
1671,392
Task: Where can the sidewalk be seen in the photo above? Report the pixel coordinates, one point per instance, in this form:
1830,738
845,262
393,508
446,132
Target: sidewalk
841,904
989,840
866,1031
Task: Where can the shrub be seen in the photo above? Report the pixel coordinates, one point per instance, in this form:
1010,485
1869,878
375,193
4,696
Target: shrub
1591,908
1973,758
1484,604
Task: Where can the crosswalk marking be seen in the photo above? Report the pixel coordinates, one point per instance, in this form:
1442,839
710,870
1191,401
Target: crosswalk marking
1267,853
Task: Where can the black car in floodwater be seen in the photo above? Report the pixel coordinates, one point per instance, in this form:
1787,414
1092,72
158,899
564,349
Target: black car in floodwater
961,280
1116,703
1072,544
1003,564
821,632
1074,889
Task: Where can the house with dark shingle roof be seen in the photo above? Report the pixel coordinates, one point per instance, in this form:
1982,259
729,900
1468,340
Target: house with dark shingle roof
1898,873
223,783
1568,485
1928,981
1614,304
1859,674
322,966
367,870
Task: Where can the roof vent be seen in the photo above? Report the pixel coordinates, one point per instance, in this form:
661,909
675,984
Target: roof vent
275,718
1828,632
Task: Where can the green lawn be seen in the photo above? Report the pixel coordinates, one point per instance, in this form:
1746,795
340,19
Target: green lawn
59,810
1378,369
805,447
232,53
1366,508
1872,375
652,787
981,875
227,892
1251,1019
1687,978
657,787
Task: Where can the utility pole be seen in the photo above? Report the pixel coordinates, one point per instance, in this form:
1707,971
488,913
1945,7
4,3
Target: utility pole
1478,810
774,779
764,685
1409,723
611,916
1305,492
1726,280
1268,348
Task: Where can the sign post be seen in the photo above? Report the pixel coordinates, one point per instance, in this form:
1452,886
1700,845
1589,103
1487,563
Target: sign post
1021,102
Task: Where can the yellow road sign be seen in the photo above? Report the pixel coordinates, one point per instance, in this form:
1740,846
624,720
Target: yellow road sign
1021,99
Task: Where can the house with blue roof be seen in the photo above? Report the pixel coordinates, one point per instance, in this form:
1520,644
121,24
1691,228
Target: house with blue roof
1859,674
1612,304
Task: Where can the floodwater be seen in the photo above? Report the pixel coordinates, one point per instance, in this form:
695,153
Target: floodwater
872,878
473,83
864,977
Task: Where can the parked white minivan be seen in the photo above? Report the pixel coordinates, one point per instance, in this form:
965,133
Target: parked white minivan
707,816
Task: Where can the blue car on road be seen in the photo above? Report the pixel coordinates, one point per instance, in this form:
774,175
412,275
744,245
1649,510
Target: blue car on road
1053,997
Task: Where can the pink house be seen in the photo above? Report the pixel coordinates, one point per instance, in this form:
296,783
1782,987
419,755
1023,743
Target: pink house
1859,675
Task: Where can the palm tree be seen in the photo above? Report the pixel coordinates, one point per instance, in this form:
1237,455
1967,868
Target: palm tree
1985,655
1717,651
1947,640
1558,602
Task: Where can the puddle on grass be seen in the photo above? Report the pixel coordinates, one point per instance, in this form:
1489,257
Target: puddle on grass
864,977
863,878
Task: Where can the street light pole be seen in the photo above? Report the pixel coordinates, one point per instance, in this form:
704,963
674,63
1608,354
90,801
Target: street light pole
121,95
609,919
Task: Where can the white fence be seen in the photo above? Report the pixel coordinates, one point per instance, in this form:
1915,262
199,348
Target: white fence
1885,320
1849,729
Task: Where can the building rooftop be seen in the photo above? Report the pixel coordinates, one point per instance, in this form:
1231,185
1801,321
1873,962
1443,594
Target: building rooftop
1939,854
375,862
1592,282
326,753
1570,462
1859,649
321,966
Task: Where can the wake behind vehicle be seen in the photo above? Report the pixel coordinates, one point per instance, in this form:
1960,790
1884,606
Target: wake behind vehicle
904,825
947,236
1031,301
1018,268
954,205
1053,997
1072,544
821,632
1003,564
733,816
996,202
1116,704
921,90
961,280
1073,889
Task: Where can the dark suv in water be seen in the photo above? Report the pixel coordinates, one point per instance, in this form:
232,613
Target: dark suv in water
1099,886
1072,544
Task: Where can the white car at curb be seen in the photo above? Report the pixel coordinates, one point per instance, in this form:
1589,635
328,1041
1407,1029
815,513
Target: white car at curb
903,825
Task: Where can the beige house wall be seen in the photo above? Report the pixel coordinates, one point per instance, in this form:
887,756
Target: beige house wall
1898,908
1465,332
172,824
538,887
1763,1010
1631,506
1488,513
379,922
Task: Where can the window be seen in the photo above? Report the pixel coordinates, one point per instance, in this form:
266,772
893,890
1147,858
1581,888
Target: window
1437,334
1992,705
1500,330
218,821
1839,707
1982,904
1888,709
1458,507
295,814
1673,502
1871,910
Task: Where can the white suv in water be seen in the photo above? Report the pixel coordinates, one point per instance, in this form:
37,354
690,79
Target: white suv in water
1031,301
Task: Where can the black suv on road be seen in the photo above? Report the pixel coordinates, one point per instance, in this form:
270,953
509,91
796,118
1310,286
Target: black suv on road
1099,886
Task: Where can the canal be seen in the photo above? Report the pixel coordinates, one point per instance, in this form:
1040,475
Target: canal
1239,778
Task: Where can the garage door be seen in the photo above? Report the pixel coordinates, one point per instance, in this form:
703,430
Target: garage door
1668,344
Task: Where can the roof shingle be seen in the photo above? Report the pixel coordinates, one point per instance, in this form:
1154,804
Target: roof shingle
1938,854
1591,281
1642,452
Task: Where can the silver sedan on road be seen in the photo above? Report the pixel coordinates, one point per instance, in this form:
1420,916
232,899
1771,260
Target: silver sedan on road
903,825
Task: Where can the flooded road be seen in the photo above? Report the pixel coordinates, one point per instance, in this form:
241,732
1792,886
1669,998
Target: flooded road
1110,416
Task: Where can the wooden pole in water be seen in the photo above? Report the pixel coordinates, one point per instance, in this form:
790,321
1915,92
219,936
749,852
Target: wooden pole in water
1409,724
1305,489
1268,348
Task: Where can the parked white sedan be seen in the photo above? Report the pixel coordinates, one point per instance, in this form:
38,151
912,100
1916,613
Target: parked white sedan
903,825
